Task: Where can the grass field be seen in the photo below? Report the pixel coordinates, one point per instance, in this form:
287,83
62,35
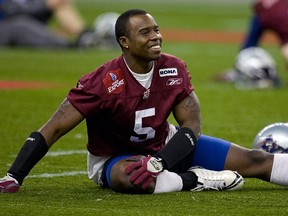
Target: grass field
58,186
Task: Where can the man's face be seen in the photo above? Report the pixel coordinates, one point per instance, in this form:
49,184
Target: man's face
144,39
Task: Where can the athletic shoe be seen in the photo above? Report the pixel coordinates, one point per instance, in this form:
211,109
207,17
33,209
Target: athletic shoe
9,185
217,180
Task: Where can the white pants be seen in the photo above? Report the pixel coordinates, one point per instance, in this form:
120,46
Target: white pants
95,164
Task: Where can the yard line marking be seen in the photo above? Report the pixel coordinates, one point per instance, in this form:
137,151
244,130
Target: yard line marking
61,153
70,152
51,175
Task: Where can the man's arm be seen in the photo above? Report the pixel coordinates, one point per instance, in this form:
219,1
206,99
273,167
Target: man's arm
187,114
38,143
62,121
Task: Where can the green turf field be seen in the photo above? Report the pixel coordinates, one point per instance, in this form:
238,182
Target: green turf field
227,112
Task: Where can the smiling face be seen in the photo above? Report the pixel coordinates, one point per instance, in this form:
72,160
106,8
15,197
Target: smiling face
142,45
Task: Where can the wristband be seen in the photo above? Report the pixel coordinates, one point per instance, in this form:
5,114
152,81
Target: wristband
33,150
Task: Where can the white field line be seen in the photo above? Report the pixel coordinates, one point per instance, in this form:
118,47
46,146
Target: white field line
63,174
61,153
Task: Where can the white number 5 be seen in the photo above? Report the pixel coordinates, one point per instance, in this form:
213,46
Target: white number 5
143,133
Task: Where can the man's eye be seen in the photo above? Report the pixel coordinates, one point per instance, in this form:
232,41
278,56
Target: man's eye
145,32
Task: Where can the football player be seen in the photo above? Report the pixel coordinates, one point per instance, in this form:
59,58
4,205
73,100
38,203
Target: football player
268,15
26,23
131,146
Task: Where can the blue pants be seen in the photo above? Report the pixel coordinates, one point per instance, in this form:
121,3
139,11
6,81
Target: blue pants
254,33
210,153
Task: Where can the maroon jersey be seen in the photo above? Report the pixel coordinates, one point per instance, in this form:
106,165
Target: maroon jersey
273,15
121,115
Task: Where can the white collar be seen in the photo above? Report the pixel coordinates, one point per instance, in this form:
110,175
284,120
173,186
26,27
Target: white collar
144,79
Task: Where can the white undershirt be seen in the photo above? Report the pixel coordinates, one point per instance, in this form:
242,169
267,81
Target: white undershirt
144,79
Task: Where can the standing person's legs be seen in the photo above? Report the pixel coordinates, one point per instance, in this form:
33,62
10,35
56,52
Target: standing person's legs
253,34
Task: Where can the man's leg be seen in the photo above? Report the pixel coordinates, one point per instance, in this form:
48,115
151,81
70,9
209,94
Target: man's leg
253,34
67,15
258,164
25,31
284,50
210,153
217,154
249,162
114,177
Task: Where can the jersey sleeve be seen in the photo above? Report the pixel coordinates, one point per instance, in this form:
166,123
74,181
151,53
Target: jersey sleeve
86,96
183,74
188,87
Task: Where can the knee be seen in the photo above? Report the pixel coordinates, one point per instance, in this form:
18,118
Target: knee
120,180
55,4
257,156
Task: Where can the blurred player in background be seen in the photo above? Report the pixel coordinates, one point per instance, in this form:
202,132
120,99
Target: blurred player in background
132,148
26,23
268,15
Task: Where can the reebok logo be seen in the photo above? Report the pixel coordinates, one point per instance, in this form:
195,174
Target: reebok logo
168,72
174,81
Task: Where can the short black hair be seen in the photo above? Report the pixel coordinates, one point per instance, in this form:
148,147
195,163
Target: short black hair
121,26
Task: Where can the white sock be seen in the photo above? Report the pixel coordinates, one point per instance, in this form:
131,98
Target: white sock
168,182
279,172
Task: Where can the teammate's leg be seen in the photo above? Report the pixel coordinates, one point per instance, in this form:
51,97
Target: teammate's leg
284,49
25,31
68,16
254,33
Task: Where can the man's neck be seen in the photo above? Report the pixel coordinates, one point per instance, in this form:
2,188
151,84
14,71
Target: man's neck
138,67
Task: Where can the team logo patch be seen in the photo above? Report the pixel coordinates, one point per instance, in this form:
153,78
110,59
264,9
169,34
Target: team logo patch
174,81
168,72
114,82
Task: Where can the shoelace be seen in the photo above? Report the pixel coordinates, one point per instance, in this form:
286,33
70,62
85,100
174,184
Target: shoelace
213,184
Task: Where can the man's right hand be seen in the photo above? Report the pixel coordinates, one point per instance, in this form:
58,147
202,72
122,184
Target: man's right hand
9,185
143,170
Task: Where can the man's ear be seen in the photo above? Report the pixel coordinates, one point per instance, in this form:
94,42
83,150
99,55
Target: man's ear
123,42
